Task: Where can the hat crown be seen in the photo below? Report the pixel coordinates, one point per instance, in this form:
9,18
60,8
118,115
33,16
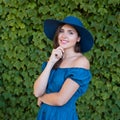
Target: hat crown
73,20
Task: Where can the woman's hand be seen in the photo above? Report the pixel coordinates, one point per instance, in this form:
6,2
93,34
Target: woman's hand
39,102
56,54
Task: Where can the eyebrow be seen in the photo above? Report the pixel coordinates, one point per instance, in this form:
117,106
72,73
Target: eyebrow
71,30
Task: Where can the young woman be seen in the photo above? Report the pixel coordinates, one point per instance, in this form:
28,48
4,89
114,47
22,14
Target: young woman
66,76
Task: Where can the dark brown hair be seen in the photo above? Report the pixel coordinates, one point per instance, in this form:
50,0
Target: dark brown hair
56,44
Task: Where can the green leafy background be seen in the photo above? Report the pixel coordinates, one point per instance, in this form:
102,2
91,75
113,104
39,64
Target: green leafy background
23,48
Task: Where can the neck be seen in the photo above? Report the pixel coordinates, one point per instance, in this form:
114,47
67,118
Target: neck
71,55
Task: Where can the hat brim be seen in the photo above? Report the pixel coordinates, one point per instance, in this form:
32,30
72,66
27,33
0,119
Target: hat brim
86,42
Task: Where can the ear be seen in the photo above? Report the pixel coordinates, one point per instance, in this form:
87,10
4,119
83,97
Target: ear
79,38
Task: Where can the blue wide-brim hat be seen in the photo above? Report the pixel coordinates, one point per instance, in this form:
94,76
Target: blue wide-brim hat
86,41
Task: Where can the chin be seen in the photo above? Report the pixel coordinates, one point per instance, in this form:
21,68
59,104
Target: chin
63,46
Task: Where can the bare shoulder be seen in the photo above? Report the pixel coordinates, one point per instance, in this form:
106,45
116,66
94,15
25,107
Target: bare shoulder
82,62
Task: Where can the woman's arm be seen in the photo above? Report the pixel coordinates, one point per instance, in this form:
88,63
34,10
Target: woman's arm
41,83
61,97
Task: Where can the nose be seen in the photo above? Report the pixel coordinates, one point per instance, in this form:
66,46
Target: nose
64,35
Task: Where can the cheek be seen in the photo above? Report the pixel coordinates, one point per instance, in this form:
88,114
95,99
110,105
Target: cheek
74,41
59,35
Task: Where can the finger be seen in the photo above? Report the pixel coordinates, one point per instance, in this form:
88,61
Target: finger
60,48
58,54
39,102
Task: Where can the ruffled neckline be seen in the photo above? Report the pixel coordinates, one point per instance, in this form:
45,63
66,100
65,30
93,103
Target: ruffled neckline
64,68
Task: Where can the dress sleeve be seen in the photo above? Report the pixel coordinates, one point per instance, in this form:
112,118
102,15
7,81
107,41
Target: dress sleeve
82,77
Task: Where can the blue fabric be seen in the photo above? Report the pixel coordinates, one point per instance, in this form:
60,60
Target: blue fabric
56,80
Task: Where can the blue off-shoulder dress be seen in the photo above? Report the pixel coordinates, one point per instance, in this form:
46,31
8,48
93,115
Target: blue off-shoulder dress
56,80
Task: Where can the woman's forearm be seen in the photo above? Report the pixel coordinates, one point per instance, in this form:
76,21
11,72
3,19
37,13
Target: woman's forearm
51,99
63,96
41,82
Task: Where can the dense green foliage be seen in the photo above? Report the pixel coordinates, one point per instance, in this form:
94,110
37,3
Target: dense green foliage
23,48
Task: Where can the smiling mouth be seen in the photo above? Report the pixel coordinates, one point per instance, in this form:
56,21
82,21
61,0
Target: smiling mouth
63,41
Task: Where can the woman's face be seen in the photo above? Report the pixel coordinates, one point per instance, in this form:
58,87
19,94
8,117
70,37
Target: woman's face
68,36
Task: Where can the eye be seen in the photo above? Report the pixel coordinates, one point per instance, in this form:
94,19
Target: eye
71,32
61,31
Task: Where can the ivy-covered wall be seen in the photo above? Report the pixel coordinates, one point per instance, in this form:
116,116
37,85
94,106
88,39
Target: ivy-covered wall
23,48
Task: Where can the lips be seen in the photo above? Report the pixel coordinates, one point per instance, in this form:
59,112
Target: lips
63,41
